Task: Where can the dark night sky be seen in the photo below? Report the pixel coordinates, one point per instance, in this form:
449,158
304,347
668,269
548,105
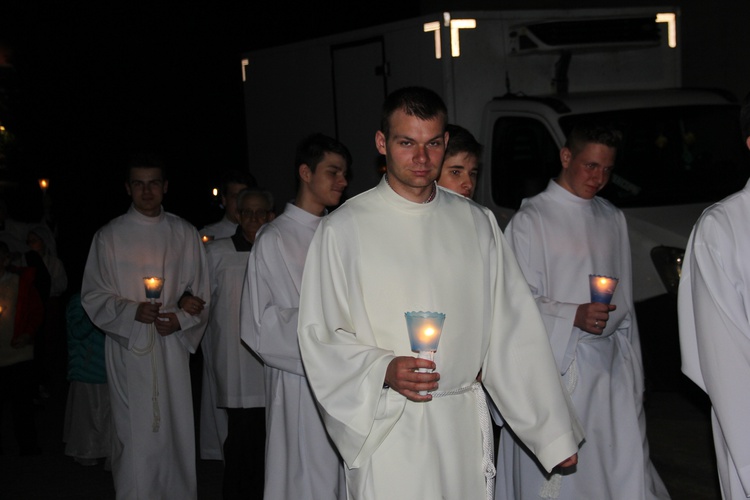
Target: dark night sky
98,80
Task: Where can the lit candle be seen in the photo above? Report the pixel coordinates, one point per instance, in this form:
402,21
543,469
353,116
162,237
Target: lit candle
424,329
1,309
602,288
206,238
154,286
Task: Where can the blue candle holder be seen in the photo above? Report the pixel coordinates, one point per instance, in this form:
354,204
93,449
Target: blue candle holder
602,288
424,330
424,334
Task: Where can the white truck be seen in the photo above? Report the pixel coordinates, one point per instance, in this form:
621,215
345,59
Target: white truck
518,80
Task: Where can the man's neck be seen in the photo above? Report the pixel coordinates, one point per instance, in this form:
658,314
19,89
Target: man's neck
308,204
423,194
148,214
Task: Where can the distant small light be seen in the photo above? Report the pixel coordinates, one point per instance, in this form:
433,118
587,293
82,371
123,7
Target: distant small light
670,19
215,192
43,184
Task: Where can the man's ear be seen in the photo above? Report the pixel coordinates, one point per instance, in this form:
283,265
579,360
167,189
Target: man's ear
565,156
380,142
127,188
304,172
166,186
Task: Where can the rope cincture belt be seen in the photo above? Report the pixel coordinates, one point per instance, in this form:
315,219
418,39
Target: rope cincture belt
488,455
154,377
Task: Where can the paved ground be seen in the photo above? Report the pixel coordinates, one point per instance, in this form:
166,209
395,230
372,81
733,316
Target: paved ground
678,427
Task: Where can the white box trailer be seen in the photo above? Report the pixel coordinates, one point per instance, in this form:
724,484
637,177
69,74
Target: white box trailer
336,84
519,80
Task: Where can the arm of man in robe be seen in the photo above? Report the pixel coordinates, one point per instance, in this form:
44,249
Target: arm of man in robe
194,277
268,322
519,369
723,338
101,300
344,366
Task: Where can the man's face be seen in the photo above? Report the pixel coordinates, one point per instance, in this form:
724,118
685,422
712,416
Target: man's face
147,188
328,182
587,172
459,173
253,213
413,151
229,200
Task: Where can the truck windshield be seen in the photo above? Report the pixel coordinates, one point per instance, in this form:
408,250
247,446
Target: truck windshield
675,155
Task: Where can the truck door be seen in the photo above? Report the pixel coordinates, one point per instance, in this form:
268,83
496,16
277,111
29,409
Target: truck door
359,85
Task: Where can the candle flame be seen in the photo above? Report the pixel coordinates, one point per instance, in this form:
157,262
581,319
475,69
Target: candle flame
429,332
603,281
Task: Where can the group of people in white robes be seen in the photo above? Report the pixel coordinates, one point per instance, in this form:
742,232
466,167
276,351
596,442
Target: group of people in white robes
320,298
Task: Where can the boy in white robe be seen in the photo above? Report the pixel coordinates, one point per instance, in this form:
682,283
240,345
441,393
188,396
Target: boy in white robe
235,374
714,306
213,420
301,461
560,237
148,344
409,245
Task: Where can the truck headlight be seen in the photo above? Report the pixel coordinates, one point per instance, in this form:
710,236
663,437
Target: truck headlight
668,263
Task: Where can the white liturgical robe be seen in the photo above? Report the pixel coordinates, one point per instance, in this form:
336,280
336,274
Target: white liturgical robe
714,307
301,462
232,374
223,228
148,375
379,256
237,372
560,239
213,420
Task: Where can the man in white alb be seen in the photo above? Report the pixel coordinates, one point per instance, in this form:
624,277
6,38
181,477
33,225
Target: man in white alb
560,237
235,372
409,245
148,344
213,420
301,461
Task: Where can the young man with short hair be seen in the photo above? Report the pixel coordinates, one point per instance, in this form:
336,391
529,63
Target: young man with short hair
461,162
560,237
148,343
384,253
233,374
301,461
